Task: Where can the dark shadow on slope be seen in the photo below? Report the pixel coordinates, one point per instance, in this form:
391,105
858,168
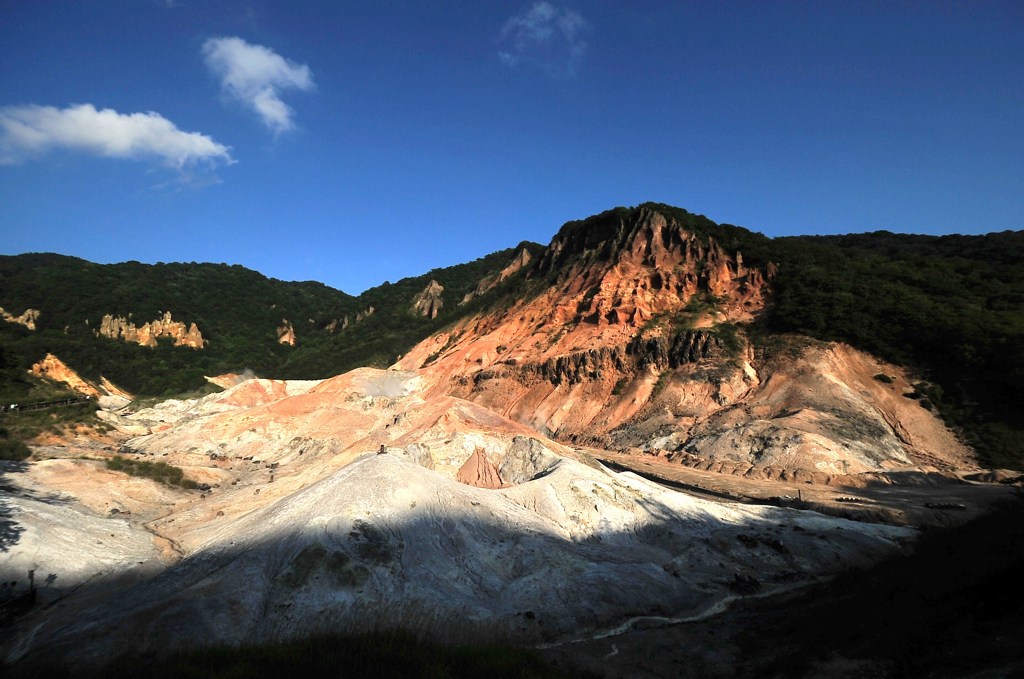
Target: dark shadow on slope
950,609
514,588
381,655
10,530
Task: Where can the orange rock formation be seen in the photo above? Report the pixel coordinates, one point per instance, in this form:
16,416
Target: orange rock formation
118,327
27,319
634,344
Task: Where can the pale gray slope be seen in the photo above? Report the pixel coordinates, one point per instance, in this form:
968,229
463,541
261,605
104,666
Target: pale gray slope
385,542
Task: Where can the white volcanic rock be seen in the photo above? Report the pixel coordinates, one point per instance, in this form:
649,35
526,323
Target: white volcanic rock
308,528
386,542
67,543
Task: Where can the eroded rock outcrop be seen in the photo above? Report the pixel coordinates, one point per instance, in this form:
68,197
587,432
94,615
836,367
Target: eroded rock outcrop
629,268
119,327
286,333
27,319
429,302
478,471
488,283
52,368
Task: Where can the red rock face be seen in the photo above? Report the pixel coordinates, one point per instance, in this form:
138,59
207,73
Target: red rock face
612,280
633,344
652,266
630,297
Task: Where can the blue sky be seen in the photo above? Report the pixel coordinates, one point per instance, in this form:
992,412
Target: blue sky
357,142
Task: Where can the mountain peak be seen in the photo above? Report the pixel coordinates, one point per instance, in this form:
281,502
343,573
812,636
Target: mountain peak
632,263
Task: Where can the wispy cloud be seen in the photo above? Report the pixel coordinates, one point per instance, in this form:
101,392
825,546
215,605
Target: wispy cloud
31,131
255,76
545,37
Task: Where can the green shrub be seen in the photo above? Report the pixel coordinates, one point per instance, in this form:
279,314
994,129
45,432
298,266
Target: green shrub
158,471
660,385
13,450
728,335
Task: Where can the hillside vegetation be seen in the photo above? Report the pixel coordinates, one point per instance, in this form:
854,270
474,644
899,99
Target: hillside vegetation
951,307
236,309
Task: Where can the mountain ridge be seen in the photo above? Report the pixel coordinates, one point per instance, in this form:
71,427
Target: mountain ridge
519,467
912,300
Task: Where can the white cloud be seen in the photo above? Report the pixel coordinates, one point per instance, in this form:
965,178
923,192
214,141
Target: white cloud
31,131
544,37
255,76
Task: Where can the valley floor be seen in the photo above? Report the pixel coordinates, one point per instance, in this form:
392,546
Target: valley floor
68,514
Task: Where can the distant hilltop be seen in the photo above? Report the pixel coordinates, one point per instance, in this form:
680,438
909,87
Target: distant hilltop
647,294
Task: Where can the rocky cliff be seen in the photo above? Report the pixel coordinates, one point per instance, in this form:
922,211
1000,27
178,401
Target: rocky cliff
52,368
286,333
637,340
27,319
629,267
118,327
428,302
488,283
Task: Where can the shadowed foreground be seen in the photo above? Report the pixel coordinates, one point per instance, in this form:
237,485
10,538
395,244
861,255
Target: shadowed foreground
948,610
388,654
951,609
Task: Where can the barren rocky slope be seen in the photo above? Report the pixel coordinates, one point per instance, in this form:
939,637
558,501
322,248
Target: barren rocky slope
638,344
308,527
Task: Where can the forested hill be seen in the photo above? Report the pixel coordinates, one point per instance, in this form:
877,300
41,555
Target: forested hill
238,311
950,306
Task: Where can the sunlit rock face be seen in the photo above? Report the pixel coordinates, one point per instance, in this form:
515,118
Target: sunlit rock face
633,337
286,333
28,318
429,302
118,327
54,369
